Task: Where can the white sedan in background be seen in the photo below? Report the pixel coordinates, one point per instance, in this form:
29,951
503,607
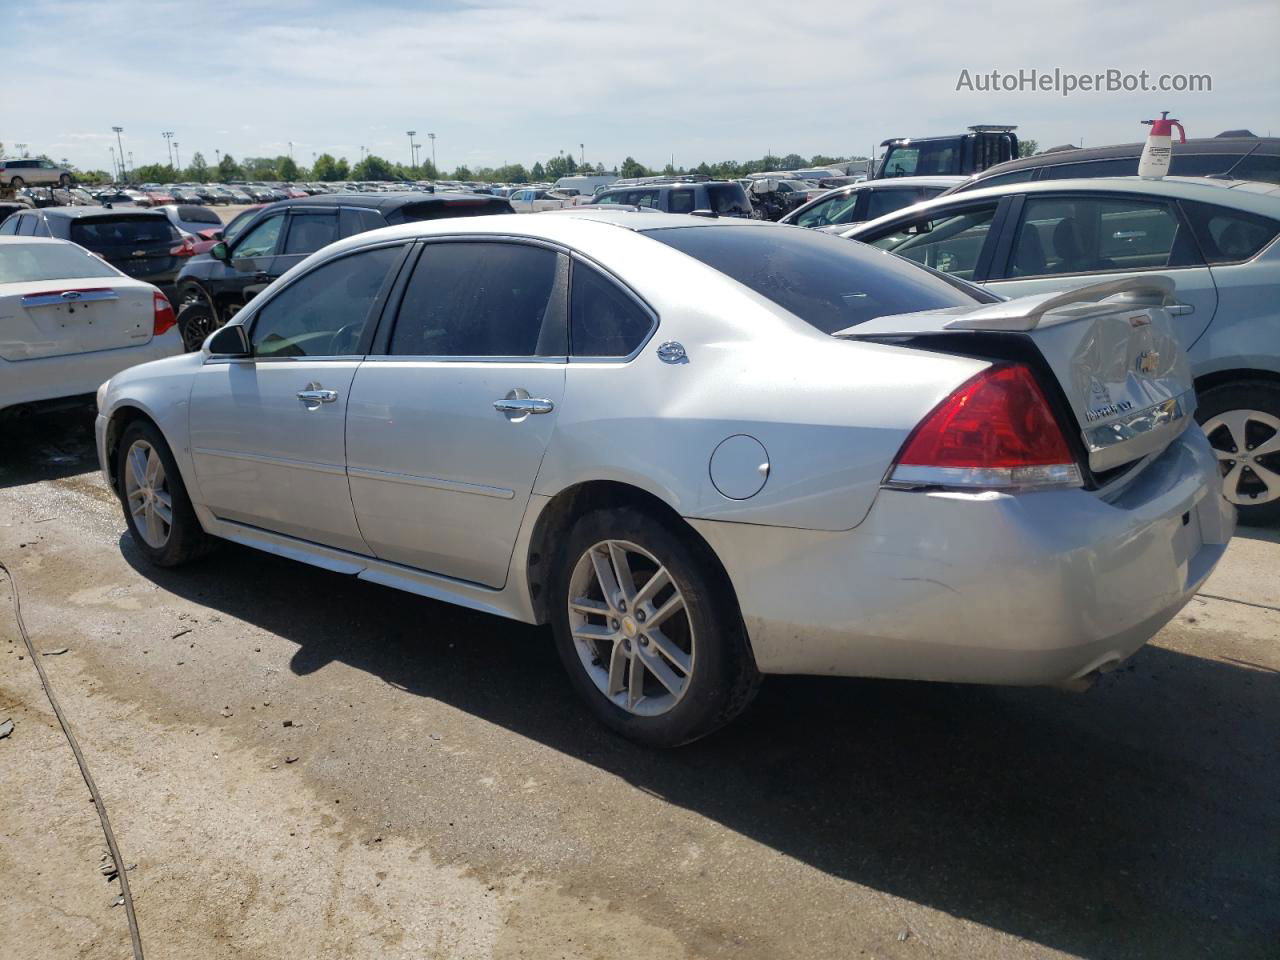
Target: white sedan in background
70,321
703,450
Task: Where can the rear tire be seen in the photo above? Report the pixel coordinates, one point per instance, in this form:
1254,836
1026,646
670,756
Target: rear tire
17,183
1242,421
196,321
158,511
65,180
662,666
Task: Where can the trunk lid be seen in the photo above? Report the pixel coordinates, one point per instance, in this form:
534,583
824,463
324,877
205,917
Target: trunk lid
56,318
1110,346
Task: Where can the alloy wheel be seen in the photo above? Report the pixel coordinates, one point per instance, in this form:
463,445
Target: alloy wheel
1247,445
631,627
147,494
195,328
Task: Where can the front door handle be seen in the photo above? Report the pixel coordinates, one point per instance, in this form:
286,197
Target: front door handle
1181,309
523,405
313,396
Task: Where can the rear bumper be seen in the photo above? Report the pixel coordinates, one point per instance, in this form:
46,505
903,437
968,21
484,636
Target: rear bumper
1034,588
50,378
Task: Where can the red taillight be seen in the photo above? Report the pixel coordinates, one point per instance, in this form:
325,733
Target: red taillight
995,430
186,248
164,317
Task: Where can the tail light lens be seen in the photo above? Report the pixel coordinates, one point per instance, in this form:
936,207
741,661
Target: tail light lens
995,431
186,248
164,315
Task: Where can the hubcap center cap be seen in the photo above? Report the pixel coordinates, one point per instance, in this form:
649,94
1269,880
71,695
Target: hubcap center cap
629,627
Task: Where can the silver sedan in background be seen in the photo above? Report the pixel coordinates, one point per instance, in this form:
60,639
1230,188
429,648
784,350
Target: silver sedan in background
702,450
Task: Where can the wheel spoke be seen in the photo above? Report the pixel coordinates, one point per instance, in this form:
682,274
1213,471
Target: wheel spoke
137,505
658,667
1268,446
1270,479
617,667
155,530
138,466
588,606
592,631
646,593
1236,421
164,511
1231,483
663,644
622,571
674,604
155,470
635,682
604,576
1224,454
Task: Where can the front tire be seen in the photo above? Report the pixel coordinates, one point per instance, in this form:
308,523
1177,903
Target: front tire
196,321
648,629
65,180
17,183
158,511
1242,421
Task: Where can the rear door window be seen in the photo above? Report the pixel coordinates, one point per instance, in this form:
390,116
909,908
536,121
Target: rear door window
830,211
1118,167
882,202
950,242
680,201
479,300
308,232
1058,235
1228,236
604,320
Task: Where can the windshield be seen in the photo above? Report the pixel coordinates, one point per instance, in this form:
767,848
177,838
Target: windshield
28,262
829,282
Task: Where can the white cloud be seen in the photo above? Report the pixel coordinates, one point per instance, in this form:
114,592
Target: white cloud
513,80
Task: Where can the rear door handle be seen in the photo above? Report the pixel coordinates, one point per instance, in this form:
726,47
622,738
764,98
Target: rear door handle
523,405
1181,309
313,397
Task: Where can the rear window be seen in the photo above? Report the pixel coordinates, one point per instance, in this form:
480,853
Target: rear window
102,232
26,262
729,199
439,210
829,282
194,214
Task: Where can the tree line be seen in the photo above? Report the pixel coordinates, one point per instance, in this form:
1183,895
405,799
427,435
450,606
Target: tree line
329,169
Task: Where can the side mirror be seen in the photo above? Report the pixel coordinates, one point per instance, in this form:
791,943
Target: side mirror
219,251
229,341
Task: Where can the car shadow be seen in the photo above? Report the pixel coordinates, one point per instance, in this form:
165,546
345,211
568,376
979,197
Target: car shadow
47,446
1266,534
1137,820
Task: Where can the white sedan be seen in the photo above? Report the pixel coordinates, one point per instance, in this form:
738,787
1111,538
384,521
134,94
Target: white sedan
69,321
703,450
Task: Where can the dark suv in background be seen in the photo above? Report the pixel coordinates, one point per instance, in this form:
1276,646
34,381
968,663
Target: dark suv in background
212,287
140,243
724,198
1235,158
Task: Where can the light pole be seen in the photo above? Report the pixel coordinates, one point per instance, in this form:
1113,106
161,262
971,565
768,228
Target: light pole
290,149
177,159
432,138
168,143
583,148
412,134
22,148
118,131
115,170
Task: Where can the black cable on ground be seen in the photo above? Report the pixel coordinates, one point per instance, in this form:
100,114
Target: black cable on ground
121,872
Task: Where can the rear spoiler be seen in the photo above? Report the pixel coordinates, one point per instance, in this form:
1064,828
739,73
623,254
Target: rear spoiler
1025,313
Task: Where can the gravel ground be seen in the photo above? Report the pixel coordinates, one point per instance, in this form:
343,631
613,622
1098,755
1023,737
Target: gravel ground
303,765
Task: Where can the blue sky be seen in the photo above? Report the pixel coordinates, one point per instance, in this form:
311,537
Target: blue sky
517,80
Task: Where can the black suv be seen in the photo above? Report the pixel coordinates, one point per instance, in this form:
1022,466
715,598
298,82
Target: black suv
143,244
212,287
1237,158
725,198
